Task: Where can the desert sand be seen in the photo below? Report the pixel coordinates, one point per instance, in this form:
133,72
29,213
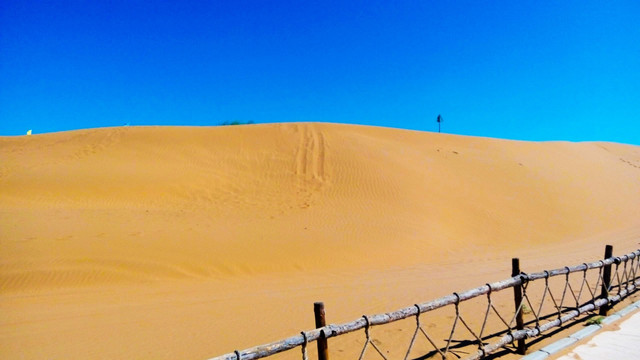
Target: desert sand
190,242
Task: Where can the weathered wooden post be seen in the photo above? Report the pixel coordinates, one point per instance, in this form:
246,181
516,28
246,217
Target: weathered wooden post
323,348
517,295
606,280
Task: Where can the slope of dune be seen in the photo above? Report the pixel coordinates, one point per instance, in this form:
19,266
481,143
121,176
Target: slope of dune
164,242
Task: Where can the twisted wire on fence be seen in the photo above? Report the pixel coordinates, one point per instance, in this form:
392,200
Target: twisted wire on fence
624,281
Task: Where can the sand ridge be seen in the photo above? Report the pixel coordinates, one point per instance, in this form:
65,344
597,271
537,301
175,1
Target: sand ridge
161,236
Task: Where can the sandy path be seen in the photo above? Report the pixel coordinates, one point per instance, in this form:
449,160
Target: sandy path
159,242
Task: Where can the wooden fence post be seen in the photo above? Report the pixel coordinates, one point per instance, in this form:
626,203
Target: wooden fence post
517,295
323,348
606,280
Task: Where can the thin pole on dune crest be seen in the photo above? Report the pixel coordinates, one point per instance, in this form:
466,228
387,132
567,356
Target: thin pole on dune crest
439,120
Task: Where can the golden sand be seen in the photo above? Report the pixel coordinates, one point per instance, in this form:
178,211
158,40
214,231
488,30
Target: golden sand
190,242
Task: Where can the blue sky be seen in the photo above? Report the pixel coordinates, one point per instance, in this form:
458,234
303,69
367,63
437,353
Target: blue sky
527,70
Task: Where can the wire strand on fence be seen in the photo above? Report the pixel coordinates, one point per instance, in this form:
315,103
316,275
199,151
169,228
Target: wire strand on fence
369,341
304,346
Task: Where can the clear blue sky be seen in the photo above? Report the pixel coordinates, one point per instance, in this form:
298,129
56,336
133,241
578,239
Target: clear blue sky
561,70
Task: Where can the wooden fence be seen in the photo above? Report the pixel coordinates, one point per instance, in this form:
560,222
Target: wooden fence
617,277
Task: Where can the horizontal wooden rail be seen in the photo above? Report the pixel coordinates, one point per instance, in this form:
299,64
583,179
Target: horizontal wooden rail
334,330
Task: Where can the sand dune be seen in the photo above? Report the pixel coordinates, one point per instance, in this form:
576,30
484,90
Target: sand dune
187,242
